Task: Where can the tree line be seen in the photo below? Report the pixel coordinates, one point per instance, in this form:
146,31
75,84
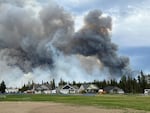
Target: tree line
127,83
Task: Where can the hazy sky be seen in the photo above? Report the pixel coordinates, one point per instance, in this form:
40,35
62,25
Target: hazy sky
131,26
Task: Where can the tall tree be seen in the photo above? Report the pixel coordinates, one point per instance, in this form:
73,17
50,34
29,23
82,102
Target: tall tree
53,84
24,88
142,82
74,83
2,87
62,82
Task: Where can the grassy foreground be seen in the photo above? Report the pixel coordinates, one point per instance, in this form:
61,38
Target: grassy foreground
108,101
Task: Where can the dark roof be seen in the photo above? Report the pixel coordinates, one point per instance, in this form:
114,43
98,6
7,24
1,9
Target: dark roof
67,86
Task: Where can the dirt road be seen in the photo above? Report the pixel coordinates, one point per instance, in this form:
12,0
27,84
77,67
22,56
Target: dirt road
47,107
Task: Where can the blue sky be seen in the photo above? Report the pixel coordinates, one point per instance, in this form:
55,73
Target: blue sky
131,26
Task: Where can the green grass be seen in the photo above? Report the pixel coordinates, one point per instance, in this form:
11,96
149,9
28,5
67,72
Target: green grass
109,101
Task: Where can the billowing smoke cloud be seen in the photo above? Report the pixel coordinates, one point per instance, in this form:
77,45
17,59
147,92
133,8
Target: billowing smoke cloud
94,39
38,42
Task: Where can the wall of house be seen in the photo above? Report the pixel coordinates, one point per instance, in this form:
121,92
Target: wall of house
11,90
64,91
37,92
147,78
47,92
117,91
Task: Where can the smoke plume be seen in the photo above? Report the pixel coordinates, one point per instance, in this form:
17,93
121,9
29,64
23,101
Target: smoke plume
38,42
94,40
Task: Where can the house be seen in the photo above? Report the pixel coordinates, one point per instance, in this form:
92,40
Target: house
68,89
88,88
147,91
113,90
42,88
11,90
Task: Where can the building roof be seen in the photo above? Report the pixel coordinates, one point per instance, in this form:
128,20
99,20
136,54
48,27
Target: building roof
67,86
108,88
92,86
40,87
89,86
85,85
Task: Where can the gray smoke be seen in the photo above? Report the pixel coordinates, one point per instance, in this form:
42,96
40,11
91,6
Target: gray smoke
38,42
25,38
94,39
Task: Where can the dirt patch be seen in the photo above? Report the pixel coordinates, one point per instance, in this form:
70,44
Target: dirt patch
47,107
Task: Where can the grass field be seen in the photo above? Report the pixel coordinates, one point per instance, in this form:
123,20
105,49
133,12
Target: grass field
107,101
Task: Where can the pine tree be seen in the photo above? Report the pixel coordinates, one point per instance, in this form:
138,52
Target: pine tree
53,84
142,82
2,87
62,82
24,88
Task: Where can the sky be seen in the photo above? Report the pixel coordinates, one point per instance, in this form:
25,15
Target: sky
131,26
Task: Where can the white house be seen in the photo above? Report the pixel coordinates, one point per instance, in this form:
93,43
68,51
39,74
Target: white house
11,90
113,89
88,88
68,89
42,88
